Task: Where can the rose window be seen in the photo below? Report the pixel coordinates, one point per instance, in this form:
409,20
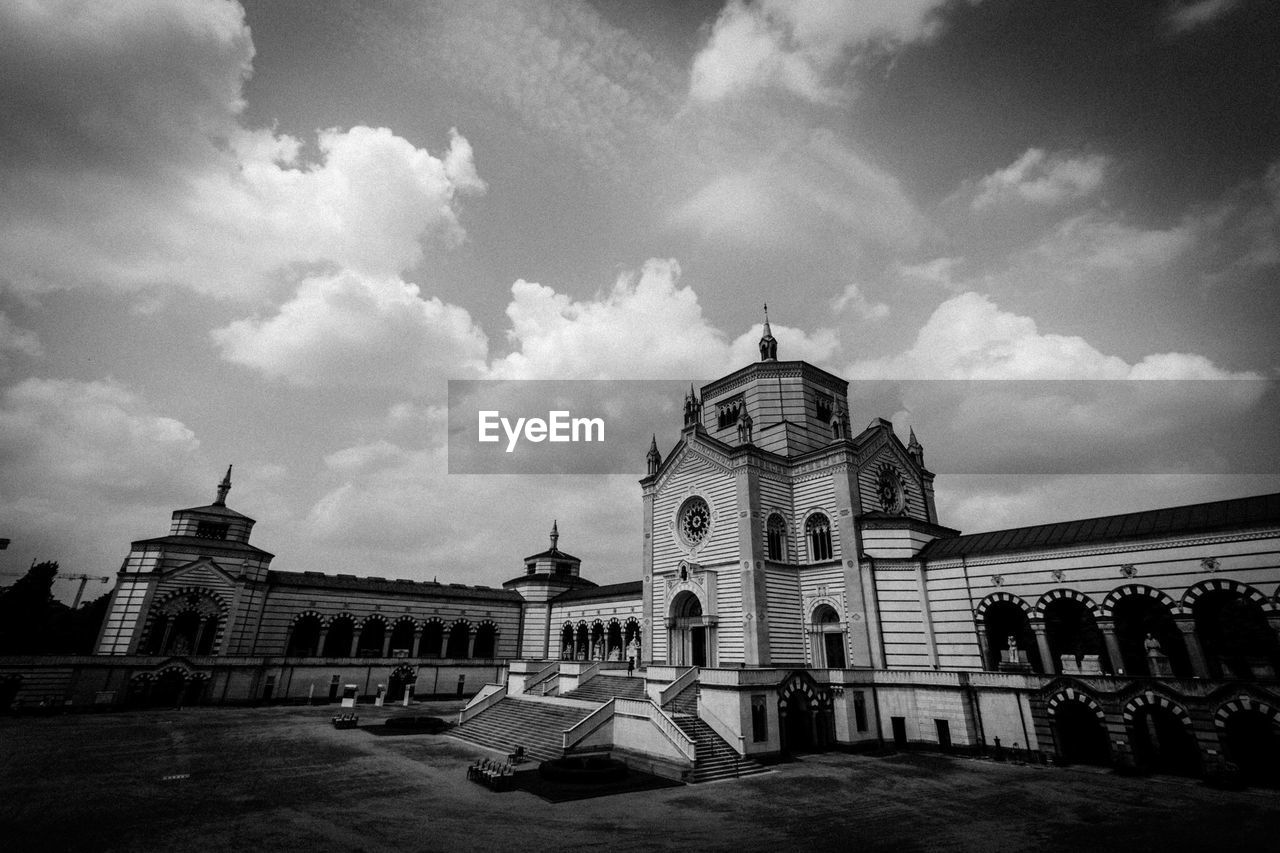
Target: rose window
695,520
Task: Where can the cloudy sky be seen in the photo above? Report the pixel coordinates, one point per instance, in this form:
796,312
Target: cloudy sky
269,234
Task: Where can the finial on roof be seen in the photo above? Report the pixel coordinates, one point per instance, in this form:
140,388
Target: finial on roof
555,535
223,488
768,344
653,457
915,449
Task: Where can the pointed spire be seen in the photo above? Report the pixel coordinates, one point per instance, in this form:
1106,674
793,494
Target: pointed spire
223,488
915,449
555,535
653,457
768,344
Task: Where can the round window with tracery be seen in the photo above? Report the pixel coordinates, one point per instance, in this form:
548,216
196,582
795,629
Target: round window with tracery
694,521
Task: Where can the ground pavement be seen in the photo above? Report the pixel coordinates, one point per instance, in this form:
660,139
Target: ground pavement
284,779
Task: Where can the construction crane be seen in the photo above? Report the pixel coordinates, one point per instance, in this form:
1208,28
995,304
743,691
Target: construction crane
84,579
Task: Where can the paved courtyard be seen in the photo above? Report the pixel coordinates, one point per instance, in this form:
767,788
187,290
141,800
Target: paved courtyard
284,779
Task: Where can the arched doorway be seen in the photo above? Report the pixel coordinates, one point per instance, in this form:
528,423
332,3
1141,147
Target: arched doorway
631,637
804,715
185,624
1163,742
1074,638
486,641
304,640
402,677
459,641
827,636
566,642
1145,625
1238,642
402,636
581,650
692,639
1003,620
337,643
372,635
1251,741
1080,735
597,641
432,645
613,640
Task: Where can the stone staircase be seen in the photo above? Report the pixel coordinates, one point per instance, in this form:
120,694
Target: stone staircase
537,726
716,759
602,688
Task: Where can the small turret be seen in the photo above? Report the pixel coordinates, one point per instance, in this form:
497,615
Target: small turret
744,428
915,449
768,344
653,457
555,536
223,488
692,407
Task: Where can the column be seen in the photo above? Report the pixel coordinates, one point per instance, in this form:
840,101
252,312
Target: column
164,640
386,642
417,641
471,644
355,641
984,649
1199,664
201,627
319,649
1108,629
444,642
1042,642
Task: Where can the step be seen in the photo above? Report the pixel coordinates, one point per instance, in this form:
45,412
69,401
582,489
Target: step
715,758
602,688
537,726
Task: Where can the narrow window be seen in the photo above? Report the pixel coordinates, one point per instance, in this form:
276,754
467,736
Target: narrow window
759,719
777,538
860,711
817,530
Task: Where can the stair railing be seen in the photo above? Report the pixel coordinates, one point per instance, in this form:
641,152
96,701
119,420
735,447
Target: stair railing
579,731
644,708
482,701
735,740
678,686
538,684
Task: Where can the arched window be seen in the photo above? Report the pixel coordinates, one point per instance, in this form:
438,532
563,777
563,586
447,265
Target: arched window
817,530
486,641
304,641
372,634
402,635
338,642
776,534
459,641
432,645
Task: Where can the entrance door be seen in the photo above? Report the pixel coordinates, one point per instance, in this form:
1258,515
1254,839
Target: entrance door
698,636
834,644
944,734
899,731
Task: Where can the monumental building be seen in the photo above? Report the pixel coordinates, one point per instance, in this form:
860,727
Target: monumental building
797,592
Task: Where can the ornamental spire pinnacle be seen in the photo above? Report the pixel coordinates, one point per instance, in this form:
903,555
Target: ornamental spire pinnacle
768,344
555,536
223,488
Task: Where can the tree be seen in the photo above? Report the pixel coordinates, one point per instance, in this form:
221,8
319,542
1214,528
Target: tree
26,610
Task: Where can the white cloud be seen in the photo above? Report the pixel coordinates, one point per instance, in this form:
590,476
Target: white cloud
15,340
1041,178
127,162
796,45
853,299
818,185
353,330
74,450
1188,14
970,337
648,326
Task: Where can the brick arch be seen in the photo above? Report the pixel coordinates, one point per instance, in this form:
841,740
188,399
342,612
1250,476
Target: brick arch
980,611
1070,694
187,674
197,590
329,620
405,618
466,623
1063,592
1151,699
597,623
1192,595
298,617
437,620
159,611
1244,703
373,617
490,623
825,601
1114,597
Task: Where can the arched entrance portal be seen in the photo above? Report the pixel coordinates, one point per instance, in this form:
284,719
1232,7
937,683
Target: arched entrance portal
1003,621
401,678
692,640
1251,741
804,715
1162,743
1080,735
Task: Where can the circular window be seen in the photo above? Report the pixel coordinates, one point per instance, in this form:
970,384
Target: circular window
890,488
694,521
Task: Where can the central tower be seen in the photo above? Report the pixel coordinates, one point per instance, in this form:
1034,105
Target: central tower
751,522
